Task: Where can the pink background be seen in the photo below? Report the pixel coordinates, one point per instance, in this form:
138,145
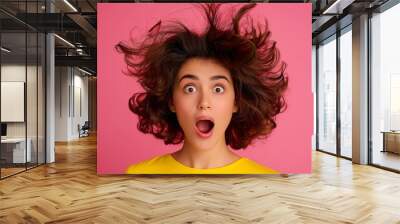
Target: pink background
288,149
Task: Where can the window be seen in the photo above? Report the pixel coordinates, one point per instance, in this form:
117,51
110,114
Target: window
346,92
327,95
385,88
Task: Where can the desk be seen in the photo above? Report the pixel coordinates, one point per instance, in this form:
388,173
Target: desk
391,141
15,148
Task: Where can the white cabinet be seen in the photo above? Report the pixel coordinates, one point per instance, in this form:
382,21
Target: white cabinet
18,149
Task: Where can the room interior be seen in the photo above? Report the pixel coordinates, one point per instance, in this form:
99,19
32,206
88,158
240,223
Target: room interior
49,130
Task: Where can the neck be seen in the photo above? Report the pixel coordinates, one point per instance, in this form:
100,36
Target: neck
217,156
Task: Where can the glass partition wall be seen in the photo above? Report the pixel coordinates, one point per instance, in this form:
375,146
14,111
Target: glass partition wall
327,95
334,93
334,90
22,88
385,89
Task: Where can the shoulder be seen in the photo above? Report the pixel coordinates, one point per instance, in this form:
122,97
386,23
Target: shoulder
249,166
152,165
165,164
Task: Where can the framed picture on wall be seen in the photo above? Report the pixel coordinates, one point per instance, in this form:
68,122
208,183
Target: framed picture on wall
12,101
226,93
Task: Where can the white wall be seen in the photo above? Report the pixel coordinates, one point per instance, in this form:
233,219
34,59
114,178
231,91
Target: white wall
79,117
71,93
61,103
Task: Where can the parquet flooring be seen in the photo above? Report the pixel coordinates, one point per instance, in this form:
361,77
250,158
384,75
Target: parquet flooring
69,191
10,171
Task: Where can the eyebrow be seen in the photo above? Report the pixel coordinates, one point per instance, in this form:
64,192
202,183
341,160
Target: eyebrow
215,77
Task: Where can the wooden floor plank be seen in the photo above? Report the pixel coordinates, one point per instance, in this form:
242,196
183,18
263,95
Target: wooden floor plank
70,191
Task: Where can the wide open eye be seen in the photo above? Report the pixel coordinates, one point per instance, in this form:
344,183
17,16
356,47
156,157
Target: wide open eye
218,89
189,89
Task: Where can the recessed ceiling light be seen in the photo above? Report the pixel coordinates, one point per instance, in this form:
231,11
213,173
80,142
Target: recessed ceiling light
5,50
337,7
84,71
64,40
70,5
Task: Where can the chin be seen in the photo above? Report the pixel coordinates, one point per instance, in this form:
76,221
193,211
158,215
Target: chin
203,144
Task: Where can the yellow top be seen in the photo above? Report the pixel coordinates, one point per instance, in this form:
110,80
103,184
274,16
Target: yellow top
166,164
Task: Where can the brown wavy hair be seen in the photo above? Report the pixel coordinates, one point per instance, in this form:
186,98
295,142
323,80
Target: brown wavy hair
241,46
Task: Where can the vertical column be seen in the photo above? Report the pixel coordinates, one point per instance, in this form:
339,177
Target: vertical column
50,92
313,84
360,90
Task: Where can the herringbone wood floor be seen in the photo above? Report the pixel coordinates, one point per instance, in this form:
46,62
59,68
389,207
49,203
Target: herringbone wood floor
69,191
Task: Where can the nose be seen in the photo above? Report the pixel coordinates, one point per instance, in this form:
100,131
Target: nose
204,103
204,107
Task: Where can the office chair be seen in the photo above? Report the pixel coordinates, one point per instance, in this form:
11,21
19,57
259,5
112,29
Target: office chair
84,130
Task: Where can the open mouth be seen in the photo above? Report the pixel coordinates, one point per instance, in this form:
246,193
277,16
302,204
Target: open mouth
205,126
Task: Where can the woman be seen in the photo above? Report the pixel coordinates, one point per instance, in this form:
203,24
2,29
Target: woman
213,91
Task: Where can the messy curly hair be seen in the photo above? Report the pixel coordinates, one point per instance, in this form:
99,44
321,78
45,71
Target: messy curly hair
241,46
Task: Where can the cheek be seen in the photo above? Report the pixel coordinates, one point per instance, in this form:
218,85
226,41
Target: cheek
228,101
224,107
183,104
184,109
224,110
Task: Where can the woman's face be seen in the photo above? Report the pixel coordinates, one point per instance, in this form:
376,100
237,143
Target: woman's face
203,99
